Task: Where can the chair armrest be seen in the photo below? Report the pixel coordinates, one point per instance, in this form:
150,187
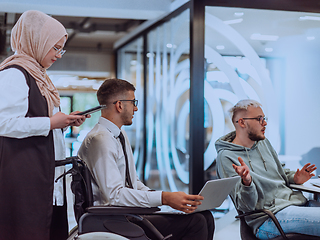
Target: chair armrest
307,187
121,210
68,160
270,214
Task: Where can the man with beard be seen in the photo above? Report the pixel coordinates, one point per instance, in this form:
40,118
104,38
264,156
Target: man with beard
113,169
264,183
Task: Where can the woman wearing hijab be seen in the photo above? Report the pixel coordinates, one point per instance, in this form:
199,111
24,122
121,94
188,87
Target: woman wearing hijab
31,128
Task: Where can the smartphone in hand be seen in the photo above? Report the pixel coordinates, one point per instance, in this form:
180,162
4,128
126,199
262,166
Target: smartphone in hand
91,110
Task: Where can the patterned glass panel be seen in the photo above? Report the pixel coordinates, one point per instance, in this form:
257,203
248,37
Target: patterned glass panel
130,62
272,57
168,83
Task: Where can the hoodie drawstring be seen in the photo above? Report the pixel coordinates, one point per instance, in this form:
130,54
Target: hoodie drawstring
264,162
249,159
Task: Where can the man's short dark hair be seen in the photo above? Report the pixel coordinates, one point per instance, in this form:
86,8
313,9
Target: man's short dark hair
113,87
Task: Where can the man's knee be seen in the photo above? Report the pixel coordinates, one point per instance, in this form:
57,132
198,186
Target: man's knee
199,219
203,222
209,219
210,223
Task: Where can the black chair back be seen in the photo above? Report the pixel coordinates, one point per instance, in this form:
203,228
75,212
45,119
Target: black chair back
104,218
80,185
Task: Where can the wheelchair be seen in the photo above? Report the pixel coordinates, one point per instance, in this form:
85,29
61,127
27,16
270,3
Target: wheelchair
104,220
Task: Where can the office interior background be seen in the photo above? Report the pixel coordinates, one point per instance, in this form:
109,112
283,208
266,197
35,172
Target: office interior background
190,61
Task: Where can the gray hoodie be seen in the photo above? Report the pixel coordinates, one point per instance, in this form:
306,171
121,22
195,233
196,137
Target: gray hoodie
269,187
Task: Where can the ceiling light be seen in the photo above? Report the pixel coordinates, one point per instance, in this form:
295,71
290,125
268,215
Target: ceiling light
220,47
268,49
258,36
170,45
149,55
239,20
238,14
309,18
310,38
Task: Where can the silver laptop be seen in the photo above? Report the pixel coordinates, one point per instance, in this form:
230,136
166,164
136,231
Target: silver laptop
214,193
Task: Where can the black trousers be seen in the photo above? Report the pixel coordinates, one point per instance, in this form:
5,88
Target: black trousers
199,226
59,229
59,224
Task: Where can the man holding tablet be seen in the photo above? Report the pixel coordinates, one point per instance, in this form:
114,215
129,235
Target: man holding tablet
107,152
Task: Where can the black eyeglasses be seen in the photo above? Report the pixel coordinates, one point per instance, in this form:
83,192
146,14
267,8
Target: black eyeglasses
261,119
134,101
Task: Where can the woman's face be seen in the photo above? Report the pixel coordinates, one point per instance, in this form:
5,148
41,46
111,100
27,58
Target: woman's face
52,56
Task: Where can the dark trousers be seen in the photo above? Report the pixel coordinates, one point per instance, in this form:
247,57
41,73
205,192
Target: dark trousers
59,229
199,226
59,224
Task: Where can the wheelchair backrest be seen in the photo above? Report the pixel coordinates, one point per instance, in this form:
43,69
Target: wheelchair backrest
80,185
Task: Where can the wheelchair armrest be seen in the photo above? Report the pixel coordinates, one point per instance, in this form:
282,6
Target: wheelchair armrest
270,214
68,160
112,210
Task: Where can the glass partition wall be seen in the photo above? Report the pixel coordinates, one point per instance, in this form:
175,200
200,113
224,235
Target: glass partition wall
269,56
263,54
167,102
131,67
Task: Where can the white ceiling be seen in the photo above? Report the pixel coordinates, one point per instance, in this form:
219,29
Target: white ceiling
124,9
110,20
292,32
91,25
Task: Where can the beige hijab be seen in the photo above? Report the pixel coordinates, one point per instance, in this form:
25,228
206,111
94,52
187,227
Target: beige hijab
32,37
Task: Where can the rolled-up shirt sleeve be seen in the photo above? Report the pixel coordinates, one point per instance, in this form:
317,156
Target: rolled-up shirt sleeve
14,107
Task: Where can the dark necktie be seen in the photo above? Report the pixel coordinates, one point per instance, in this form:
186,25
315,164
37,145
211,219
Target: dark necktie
123,143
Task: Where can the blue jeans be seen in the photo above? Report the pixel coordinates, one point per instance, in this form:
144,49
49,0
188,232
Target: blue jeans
294,219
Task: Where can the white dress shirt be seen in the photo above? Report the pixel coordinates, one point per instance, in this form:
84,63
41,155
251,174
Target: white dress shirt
102,151
14,93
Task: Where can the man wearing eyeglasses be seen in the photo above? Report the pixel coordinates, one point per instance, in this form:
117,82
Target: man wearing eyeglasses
107,152
264,183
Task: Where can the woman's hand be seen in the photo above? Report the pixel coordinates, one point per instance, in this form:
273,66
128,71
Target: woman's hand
79,122
61,120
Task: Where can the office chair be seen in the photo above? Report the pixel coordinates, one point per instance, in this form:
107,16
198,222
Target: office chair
246,232
113,219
